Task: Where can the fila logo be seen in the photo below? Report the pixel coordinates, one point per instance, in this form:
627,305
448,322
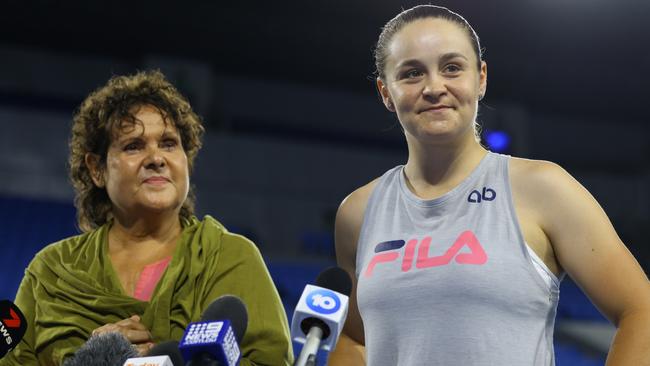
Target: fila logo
386,253
476,197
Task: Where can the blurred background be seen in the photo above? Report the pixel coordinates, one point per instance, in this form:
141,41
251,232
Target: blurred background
286,90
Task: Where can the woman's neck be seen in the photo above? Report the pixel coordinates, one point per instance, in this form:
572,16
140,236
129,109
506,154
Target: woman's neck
435,169
162,229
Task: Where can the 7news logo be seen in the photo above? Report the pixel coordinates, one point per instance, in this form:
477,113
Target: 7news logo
323,301
13,322
388,252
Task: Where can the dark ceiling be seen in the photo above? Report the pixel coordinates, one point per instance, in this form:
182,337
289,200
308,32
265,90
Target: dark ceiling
587,58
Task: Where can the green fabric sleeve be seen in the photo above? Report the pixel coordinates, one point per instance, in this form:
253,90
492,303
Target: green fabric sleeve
242,273
39,345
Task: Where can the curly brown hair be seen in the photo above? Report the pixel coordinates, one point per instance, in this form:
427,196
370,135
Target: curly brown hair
109,110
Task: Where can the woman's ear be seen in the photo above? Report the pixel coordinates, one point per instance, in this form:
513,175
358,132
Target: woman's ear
385,95
482,88
94,167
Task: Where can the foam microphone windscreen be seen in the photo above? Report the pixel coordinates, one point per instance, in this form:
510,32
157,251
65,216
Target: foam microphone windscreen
228,307
12,326
335,279
106,349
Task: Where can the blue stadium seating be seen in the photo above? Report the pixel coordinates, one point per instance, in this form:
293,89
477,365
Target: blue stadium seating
569,355
26,226
575,305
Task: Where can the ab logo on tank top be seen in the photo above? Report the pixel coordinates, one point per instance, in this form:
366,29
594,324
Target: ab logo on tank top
388,252
475,196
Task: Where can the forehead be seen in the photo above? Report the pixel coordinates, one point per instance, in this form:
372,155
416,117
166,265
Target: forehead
143,121
429,37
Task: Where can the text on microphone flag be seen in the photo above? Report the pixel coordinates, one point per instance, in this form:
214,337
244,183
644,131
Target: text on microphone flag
215,337
202,333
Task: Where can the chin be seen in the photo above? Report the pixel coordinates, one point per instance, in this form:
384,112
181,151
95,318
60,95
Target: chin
442,129
438,132
160,206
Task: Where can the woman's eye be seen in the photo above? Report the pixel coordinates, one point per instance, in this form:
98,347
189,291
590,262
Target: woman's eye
411,74
452,68
131,146
170,144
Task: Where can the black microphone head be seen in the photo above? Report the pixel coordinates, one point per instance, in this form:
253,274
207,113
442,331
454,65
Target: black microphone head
335,279
106,349
12,326
231,308
168,348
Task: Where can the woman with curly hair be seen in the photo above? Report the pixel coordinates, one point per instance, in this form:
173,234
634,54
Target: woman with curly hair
144,266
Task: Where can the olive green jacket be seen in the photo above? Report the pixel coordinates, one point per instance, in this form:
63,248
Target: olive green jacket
70,288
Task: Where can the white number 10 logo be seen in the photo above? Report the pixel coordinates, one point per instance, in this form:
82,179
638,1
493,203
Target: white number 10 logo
323,301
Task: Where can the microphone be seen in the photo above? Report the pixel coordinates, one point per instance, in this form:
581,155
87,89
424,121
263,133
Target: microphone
106,349
162,354
149,361
215,339
12,326
168,348
319,316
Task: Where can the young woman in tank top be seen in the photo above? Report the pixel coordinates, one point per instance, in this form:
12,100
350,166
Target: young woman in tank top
456,256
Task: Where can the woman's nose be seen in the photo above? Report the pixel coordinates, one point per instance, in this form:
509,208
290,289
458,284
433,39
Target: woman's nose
434,86
155,159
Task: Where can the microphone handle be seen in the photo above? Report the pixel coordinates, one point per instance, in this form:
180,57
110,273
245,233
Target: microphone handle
311,361
311,346
203,359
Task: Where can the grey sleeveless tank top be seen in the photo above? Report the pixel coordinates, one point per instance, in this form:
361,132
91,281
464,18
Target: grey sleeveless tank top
450,281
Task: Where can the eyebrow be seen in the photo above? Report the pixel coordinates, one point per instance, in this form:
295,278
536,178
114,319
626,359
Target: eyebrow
410,62
168,134
122,139
451,55
444,58
165,135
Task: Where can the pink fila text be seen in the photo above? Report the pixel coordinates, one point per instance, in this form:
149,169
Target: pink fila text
386,253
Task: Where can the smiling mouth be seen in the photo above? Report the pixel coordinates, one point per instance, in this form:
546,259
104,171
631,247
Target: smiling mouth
156,181
436,109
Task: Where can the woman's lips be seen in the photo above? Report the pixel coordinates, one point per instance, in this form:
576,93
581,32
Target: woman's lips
156,180
437,109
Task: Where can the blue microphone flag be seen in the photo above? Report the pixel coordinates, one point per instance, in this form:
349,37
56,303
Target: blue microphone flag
215,338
